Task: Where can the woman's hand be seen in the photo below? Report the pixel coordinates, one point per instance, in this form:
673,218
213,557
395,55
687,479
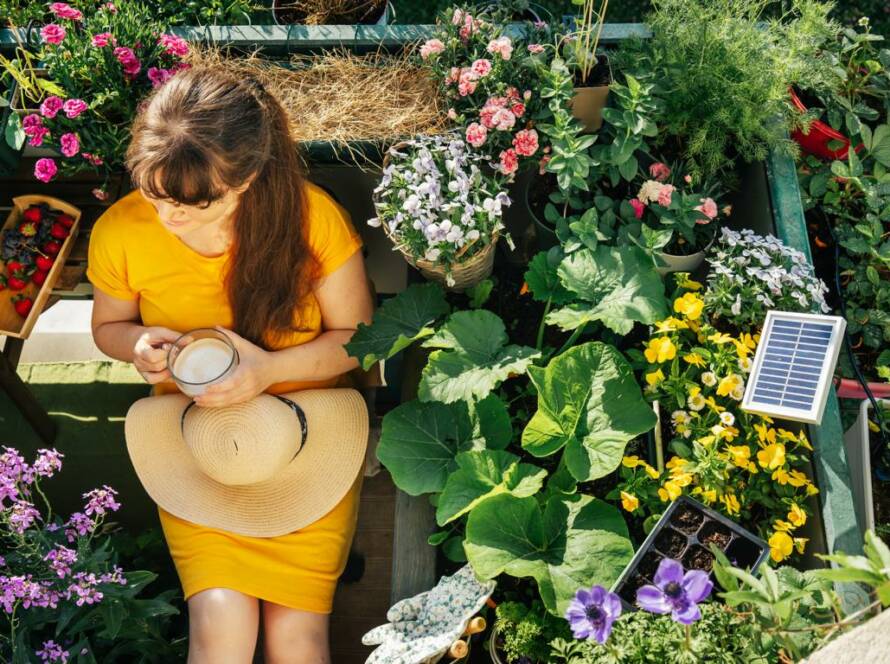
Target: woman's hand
251,378
150,353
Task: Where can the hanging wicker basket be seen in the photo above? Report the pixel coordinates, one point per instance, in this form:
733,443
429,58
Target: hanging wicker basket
459,275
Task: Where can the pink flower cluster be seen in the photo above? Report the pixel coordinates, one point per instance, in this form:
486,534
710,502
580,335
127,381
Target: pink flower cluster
502,112
468,24
103,39
431,47
659,171
708,208
174,45
52,33
66,11
501,46
128,60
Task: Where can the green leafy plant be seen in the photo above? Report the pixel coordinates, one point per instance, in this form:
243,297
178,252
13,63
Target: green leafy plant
526,631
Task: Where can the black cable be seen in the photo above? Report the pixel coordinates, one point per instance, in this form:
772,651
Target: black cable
878,451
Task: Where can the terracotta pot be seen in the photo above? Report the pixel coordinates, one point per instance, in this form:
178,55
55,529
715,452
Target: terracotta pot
588,104
820,134
849,388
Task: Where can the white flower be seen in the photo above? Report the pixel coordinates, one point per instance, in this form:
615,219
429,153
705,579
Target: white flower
745,364
727,418
738,393
374,222
679,417
709,379
696,402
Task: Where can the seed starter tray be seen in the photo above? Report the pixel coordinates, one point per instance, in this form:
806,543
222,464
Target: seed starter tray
683,533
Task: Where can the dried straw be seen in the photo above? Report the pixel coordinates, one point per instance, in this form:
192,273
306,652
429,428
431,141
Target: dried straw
326,12
342,97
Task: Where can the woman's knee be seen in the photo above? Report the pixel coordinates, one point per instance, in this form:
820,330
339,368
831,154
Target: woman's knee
223,627
292,636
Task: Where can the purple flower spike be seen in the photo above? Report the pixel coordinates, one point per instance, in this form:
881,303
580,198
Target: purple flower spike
592,612
675,592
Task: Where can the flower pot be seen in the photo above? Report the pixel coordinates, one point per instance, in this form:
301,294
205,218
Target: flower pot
815,141
849,388
462,275
588,104
545,233
683,533
857,443
677,263
280,8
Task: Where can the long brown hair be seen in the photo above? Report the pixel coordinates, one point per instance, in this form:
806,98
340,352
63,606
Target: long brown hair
206,131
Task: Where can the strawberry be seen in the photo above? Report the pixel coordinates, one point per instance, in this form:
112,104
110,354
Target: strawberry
44,263
22,305
16,283
28,228
39,277
14,266
52,248
66,220
33,214
59,232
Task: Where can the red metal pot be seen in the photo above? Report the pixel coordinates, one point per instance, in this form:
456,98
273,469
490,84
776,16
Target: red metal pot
816,141
848,388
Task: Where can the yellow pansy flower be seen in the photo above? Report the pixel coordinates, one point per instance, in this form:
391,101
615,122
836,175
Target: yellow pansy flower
797,516
683,281
653,378
695,359
804,442
797,478
780,546
811,489
670,324
631,461
772,456
709,496
729,383
720,338
650,471
681,479
670,491
732,504
781,476
782,526
660,349
765,433
800,543
745,345
690,305
629,501
740,455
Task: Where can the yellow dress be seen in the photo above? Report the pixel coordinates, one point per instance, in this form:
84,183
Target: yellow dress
133,256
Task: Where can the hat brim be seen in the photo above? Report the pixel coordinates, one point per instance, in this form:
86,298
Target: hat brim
309,487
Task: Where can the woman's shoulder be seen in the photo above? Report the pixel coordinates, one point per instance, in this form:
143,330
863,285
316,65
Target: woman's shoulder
329,231
130,218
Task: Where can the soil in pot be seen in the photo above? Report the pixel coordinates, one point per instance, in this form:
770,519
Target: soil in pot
600,75
742,552
328,12
715,533
698,558
670,543
649,564
628,590
687,520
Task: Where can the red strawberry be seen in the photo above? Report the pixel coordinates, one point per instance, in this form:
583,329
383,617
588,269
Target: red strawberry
14,266
52,248
28,228
44,263
59,232
16,283
66,220
39,277
33,214
22,305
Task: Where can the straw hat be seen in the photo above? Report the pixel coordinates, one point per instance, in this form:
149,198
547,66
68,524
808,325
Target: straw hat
263,468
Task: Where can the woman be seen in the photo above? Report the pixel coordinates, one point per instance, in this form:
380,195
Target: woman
221,230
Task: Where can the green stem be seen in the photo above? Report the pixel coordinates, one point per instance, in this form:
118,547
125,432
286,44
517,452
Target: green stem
540,339
49,509
572,339
689,638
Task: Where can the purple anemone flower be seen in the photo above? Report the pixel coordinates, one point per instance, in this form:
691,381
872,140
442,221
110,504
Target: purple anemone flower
675,592
592,612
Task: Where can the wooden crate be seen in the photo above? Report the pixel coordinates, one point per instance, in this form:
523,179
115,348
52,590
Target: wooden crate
11,324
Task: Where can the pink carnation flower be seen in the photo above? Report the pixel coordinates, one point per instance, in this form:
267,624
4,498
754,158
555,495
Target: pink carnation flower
509,161
128,60
542,165
31,122
664,196
535,48
174,45
70,144
45,169
527,95
158,76
708,208
659,171
518,109
638,206
36,136
52,33
503,119
50,106
103,39
467,82
100,194
74,107
526,142
476,134
457,17
64,10
110,7
481,67
431,47
502,46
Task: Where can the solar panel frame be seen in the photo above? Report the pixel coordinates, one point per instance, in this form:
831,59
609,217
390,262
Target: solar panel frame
810,365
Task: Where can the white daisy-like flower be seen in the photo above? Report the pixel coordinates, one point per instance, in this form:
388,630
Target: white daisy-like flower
738,393
679,417
727,418
708,378
745,364
696,402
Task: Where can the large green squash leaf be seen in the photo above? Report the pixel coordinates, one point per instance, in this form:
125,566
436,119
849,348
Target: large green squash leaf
543,280
472,360
482,474
576,542
419,441
399,322
590,403
616,285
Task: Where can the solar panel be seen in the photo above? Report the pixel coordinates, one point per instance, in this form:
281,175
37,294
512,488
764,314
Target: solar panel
794,365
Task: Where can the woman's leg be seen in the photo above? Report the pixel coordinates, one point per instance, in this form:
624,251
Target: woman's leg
223,627
295,637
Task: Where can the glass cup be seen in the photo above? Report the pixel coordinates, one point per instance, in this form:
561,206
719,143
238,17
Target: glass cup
201,358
